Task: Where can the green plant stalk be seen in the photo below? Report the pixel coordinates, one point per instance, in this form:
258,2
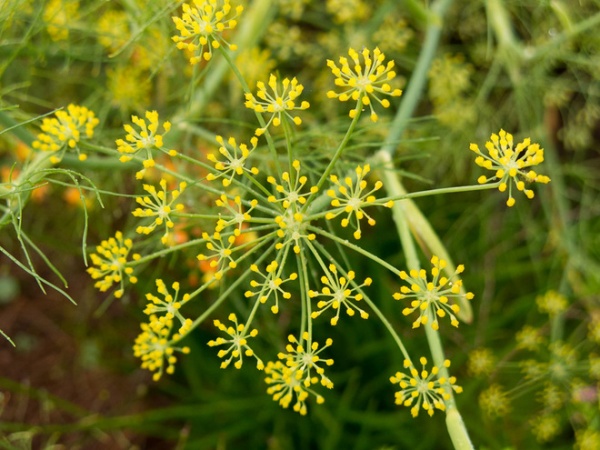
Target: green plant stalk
456,429
410,99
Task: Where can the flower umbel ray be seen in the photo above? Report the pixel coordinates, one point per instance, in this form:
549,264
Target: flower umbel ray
277,104
424,388
271,285
158,206
234,162
238,343
65,130
338,293
110,263
202,25
293,375
349,197
431,299
364,80
510,163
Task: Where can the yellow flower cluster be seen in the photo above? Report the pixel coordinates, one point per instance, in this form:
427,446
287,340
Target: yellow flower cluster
145,139
431,299
292,376
238,344
155,348
510,163
364,80
277,104
111,263
349,197
423,388
339,291
271,284
159,207
66,130
234,162
202,25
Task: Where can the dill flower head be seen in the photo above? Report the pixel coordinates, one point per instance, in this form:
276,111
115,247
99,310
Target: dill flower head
66,130
158,206
145,139
113,30
234,160
551,303
431,299
545,427
270,285
154,346
110,263
350,197
424,388
58,14
510,163
482,361
201,27
296,371
339,291
494,401
237,344
128,87
529,338
280,102
169,305
255,64
364,80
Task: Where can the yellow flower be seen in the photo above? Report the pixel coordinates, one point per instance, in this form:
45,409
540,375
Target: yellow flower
234,162
494,401
158,206
296,371
350,197
551,303
128,87
238,344
277,104
238,218
364,80
432,298
222,249
545,427
113,29
424,388
169,305
481,362
58,15
529,338
201,27
271,284
339,294
509,163
254,64
154,346
66,130
290,190
111,263
146,139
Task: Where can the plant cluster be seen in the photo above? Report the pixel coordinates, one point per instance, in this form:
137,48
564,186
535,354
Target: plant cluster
269,192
